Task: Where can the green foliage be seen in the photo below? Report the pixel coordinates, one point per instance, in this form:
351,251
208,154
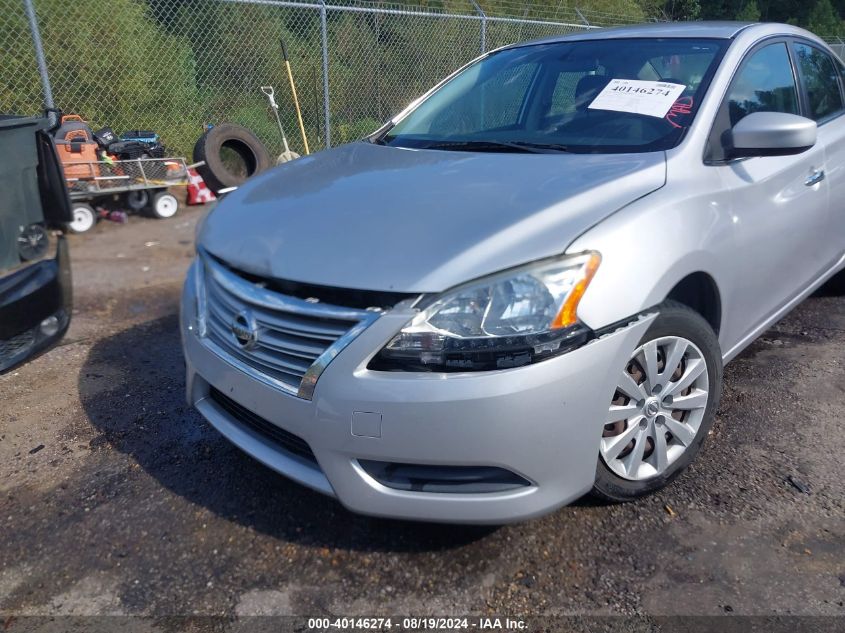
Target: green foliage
360,128
823,19
173,65
679,9
20,91
106,63
750,12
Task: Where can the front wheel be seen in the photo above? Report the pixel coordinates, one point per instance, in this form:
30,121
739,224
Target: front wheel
663,407
84,218
165,205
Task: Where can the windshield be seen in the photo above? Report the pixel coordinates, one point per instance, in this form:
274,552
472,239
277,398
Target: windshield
620,95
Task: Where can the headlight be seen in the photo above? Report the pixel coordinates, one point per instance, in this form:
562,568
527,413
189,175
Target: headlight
199,289
507,320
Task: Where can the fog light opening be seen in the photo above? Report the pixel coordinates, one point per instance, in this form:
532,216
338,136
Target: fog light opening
50,326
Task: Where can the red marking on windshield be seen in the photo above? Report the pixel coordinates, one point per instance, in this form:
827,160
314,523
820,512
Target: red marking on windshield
682,107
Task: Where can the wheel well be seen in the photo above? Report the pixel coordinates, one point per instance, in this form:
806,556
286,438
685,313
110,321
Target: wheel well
699,292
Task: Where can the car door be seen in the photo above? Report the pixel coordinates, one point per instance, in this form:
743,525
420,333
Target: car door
779,204
821,79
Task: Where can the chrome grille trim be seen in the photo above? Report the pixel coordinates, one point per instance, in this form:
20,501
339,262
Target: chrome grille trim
297,339
262,297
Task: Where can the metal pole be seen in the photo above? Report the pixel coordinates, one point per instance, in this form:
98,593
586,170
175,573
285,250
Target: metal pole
324,42
483,25
39,53
581,17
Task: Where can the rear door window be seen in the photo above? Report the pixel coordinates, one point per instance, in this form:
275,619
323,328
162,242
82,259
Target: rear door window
820,79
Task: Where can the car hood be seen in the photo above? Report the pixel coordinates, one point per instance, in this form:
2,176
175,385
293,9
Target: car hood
373,217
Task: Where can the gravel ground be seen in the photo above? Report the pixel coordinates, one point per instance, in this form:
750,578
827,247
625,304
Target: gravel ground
116,498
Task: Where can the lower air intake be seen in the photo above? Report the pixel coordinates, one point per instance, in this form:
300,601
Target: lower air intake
443,479
242,416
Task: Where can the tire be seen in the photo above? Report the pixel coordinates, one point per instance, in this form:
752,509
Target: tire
84,218
232,154
138,200
33,242
683,430
835,285
164,205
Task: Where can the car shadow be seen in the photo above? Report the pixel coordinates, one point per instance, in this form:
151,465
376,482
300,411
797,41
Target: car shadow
132,389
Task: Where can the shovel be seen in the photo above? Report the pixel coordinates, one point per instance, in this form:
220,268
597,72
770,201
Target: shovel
286,155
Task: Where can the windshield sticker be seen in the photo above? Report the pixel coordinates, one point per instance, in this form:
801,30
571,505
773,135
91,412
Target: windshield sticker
679,110
651,98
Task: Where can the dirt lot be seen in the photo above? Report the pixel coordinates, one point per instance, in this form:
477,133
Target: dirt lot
115,498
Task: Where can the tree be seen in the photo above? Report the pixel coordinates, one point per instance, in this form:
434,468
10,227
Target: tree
750,12
112,64
823,19
680,9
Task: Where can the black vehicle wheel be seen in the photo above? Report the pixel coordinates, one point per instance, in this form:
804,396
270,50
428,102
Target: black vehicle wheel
33,242
835,285
232,154
138,200
84,218
165,205
664,406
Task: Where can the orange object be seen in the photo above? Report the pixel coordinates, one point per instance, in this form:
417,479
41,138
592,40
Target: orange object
568,312
76,147
198,191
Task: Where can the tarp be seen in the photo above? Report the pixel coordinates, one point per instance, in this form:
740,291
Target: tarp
20,201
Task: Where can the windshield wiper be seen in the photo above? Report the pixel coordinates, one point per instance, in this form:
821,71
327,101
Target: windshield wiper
492,146
381,139
552,148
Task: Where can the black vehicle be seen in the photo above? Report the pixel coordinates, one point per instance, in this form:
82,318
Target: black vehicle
35,280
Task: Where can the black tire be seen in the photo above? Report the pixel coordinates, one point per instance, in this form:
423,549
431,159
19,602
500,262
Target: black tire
138,200
835,285
33,242
232,154
674,319
164,205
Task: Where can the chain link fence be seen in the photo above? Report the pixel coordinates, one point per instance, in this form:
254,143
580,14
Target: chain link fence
174,65
837,45
20,88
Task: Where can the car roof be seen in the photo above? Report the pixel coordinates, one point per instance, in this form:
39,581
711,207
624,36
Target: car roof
705,29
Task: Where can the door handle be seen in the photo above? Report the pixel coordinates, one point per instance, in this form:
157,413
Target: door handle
815,178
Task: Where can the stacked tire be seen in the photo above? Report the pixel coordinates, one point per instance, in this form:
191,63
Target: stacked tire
251,157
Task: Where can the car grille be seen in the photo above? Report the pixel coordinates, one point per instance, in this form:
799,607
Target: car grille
16,346
294,337
285,440
15,349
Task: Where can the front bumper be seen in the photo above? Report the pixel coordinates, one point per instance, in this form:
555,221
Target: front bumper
542,422
30,296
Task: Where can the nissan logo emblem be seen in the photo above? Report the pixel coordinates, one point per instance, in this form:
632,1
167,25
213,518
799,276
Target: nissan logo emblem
245,329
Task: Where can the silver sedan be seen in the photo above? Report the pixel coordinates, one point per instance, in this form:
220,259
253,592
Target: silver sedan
523,288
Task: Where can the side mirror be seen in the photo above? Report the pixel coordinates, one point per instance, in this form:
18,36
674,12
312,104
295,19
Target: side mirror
771,134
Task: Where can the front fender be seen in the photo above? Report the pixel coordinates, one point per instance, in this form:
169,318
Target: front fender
647,248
